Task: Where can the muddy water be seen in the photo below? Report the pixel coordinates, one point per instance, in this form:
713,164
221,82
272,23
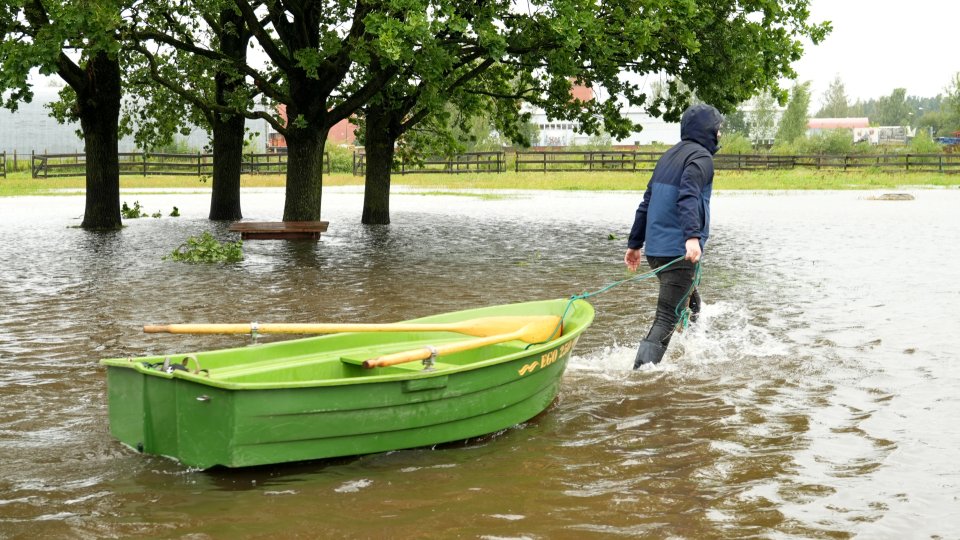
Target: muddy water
817,397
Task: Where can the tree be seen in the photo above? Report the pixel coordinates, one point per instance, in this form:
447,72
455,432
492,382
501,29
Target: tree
763,118
724,54
209,81
951,104
312,47
793,125
78,41
893,110
736,123
834,101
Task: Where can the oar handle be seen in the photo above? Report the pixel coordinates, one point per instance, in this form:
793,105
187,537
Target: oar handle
427,352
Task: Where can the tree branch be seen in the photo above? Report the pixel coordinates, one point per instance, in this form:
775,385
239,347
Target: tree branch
276,55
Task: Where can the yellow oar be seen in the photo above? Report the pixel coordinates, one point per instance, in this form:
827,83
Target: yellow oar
529,334
536,327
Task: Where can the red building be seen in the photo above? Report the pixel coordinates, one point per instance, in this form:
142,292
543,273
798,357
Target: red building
342,133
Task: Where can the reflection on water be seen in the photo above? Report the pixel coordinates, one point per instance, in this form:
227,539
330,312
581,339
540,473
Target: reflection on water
815,397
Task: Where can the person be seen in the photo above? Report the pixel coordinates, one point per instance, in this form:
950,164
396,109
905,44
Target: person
672,221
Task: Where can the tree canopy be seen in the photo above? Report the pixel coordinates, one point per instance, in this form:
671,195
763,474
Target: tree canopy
793,124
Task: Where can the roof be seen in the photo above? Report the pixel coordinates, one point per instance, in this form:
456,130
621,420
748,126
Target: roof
837,123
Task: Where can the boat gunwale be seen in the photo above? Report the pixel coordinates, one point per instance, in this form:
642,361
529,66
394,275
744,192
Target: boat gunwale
407,373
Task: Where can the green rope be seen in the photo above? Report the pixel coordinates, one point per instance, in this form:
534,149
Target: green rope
683,318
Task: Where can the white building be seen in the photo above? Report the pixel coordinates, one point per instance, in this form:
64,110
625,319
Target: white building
567,133
31,128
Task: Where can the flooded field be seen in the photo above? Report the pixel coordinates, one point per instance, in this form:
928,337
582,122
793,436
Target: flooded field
816,398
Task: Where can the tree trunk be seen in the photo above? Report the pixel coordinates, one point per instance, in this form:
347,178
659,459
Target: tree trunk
98,106
228,130
227,159
379,148
304,173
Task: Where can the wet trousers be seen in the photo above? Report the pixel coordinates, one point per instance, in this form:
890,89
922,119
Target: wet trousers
675,284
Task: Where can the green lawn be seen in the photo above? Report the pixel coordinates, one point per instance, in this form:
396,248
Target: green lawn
20,184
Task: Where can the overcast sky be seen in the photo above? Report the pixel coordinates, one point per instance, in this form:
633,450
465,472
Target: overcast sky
879,45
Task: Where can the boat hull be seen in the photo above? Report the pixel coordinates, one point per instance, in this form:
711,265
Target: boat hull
270,408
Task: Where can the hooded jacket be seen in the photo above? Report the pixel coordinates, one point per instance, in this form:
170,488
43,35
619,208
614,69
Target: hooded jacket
676,204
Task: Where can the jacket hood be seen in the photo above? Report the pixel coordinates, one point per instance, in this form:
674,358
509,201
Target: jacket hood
700,124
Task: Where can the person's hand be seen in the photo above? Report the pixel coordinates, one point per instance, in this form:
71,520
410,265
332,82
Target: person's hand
632,258
693,250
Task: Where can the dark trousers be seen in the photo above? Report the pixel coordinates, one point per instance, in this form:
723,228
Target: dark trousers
676,283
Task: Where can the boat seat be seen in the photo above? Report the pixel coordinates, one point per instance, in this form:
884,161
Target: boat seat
358,359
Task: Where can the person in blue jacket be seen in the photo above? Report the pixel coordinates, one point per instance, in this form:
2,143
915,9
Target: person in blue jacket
673,220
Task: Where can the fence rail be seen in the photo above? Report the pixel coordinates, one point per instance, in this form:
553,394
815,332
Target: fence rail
162,164
159,164
630,161
469,162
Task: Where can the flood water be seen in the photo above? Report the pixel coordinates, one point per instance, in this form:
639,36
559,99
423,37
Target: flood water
816,398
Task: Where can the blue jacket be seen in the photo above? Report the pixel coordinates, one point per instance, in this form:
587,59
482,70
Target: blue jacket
676,205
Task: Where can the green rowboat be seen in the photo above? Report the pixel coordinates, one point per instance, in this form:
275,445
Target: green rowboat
313,398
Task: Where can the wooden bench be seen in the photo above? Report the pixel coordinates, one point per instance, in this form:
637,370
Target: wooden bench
279,230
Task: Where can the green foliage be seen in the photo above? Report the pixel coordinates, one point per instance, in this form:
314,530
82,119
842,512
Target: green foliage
177,145
793,125
834,101
832,142
735,143
136,211
207,249
735,123
126,212
341,158
893,110
923,144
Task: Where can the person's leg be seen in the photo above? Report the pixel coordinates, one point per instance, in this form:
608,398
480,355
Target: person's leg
695,304
675,283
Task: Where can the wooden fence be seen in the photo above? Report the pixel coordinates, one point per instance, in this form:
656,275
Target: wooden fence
159,164
3,165
630,161
470,162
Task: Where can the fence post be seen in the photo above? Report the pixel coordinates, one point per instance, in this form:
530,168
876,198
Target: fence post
15,161
516,160
907,161
144,163
544,163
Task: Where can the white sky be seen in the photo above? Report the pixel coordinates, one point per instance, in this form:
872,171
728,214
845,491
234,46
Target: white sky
879,45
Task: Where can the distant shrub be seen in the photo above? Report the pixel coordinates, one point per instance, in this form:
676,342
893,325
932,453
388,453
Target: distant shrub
829,142
341,159
735,143
923,144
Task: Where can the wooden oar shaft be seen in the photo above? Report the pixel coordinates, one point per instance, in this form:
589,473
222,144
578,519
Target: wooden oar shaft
450,348
539,328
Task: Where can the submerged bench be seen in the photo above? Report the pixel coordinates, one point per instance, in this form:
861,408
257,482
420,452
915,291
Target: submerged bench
279,230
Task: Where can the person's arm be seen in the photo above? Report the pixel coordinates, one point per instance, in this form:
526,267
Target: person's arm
690,208
637,234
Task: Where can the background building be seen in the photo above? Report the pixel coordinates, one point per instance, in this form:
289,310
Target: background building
343,133
567,133
32,129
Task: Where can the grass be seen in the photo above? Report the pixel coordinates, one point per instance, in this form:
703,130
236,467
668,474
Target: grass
20,183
